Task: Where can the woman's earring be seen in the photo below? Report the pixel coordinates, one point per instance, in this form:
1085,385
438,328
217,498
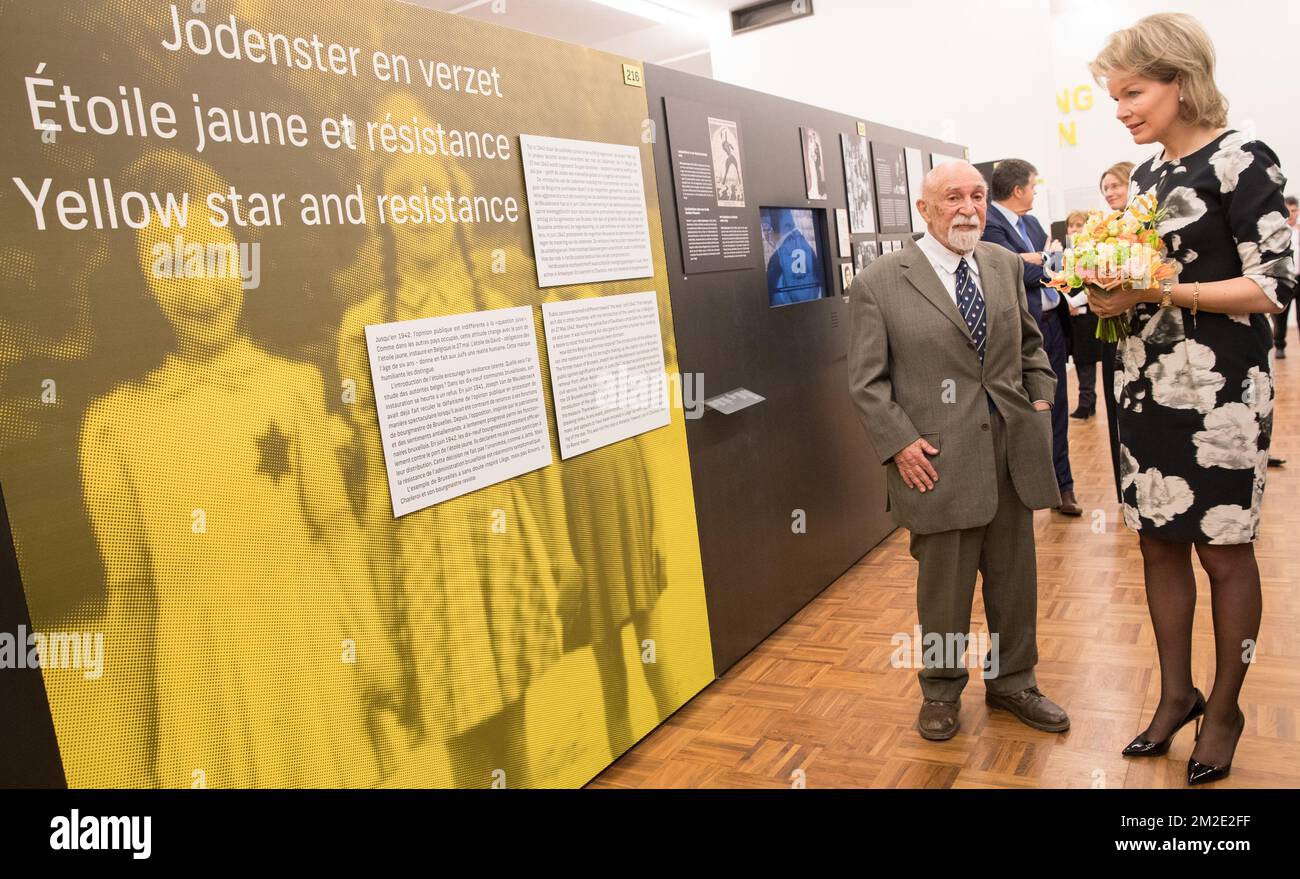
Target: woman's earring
1180,99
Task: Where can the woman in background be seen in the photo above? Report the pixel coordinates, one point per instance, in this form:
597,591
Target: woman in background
1115,189
1083,329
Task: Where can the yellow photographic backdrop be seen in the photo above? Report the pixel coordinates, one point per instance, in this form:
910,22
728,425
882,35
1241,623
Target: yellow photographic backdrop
191,458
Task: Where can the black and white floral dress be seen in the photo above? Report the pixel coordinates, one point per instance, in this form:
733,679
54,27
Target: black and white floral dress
1195,395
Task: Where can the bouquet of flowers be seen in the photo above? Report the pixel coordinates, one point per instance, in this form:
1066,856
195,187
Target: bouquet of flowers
1121,247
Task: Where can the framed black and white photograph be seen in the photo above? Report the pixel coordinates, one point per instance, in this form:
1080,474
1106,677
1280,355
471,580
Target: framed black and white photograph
857,181
915,177
864,254
724,144
814,164
842,232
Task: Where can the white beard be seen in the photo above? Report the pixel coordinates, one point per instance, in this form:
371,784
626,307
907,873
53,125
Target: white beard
963,238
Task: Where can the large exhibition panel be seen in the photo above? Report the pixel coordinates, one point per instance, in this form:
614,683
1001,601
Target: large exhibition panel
259,574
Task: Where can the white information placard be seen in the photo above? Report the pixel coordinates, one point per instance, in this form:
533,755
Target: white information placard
586,206
460,403
607,369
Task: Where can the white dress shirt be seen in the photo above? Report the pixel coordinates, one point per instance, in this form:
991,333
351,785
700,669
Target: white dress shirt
945,262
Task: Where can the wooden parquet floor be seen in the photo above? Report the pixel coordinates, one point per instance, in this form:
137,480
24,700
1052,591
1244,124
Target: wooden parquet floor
819,704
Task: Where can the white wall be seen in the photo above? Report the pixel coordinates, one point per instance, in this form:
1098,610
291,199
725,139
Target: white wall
1258,48
988,73
933,67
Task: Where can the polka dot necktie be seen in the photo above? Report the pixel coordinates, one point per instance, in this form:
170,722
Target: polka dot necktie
970,302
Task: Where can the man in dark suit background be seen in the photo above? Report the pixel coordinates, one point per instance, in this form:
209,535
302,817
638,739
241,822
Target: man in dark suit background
1010,225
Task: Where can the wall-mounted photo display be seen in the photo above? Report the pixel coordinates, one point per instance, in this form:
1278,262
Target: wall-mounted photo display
864,254
846,275
857,181
814,164
793,249
842,231
892,203
718,232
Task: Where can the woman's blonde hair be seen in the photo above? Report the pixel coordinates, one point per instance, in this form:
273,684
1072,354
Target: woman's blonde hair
1167,47
1079,217
1121,171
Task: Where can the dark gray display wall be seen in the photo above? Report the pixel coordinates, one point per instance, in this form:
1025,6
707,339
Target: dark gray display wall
803,448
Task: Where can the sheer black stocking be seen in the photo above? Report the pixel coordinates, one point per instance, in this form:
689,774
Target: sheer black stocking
1171,599
1237,603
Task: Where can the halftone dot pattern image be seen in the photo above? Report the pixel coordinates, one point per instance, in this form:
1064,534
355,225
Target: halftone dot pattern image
191,459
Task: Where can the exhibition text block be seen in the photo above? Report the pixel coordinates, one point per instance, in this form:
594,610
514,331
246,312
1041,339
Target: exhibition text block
607,369
460,403
586,204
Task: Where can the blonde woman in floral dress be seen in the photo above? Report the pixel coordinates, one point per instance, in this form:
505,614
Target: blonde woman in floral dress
1193,381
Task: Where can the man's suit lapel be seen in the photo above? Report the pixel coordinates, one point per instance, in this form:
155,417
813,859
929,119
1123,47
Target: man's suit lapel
995,217
990,284
920,274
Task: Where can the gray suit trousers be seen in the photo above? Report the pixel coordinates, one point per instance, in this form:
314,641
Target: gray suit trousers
1003,551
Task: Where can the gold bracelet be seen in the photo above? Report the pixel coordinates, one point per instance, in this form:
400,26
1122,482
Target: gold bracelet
1196,295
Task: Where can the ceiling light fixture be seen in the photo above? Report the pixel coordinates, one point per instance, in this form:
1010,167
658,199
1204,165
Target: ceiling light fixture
654,11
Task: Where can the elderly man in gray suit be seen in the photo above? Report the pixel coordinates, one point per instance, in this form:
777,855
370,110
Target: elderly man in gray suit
948,370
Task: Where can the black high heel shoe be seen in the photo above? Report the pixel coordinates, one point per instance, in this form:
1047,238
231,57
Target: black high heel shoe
1203,773
1144,747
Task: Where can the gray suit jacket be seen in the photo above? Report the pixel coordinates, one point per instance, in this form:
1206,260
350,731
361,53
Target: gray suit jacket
914,372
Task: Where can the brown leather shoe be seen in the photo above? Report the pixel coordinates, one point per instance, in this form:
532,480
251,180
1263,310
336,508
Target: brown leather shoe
938,720
1069,505
1033,708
